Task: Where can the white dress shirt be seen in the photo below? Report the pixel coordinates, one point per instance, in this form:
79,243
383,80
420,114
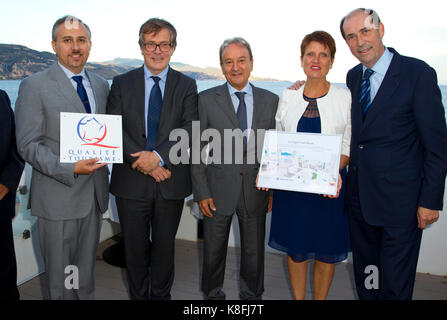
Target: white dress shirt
85,83
380,69
248,98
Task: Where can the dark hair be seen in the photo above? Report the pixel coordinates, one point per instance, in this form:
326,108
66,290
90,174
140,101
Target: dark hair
370,12
240,41
321,37
68,19
154,25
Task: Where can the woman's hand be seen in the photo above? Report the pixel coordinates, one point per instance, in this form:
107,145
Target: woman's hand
259,188
340,182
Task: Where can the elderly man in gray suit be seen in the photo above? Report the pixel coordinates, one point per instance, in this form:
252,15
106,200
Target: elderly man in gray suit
67,198
226,182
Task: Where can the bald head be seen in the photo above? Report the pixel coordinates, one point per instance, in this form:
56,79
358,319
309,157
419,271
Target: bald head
371,18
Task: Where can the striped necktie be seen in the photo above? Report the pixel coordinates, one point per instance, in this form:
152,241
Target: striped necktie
365,91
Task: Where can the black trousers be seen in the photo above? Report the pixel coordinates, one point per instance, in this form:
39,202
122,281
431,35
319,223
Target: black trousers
8,264
142,222
216,231
389,252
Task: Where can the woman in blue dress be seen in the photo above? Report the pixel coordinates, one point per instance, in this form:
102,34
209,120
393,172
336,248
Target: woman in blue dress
311,226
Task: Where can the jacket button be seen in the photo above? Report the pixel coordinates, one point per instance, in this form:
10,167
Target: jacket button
361,146
241,174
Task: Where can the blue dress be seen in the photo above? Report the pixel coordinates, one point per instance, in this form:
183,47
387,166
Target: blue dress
309,226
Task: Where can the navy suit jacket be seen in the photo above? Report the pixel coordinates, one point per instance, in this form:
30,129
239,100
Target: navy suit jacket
399,151
11,164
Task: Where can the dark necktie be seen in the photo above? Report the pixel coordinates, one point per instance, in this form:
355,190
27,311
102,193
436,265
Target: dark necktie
153,114
242,114
82,93
365,91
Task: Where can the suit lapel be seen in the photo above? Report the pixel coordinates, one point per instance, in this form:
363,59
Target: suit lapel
168,105
96,88
389,84
137,89
66,89
257,108
223,100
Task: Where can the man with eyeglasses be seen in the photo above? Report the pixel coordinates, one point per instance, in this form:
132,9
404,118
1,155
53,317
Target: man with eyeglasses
149,189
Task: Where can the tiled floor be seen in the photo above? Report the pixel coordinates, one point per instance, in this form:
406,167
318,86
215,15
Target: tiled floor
111,280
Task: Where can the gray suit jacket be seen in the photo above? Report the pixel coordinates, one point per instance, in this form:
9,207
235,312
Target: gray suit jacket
55,193
224,182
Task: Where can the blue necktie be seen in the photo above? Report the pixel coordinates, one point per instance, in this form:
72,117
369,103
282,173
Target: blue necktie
153,114
365,91
82,93
242,115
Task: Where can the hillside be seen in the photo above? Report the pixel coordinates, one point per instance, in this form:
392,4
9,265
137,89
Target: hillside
18,62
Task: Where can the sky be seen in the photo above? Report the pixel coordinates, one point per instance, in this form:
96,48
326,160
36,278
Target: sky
274,29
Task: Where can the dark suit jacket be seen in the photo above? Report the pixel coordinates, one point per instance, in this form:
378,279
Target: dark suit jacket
224,182
399,152
11,164
179,109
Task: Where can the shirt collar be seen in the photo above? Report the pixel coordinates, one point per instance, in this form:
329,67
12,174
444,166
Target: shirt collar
246,89
162,75
70,74
383,63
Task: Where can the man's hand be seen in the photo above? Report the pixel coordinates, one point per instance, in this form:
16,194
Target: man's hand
270,205
340,182
160,174
3,191
205,205
88,166
426,217
297,85
146,162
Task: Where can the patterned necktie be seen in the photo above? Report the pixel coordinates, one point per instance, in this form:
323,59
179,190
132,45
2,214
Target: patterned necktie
242,115
82,93
365,91
153,114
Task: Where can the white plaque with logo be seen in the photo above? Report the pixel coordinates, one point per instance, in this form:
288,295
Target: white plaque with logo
87,136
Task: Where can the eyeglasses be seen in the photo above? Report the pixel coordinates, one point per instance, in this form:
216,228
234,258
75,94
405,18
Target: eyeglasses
152,46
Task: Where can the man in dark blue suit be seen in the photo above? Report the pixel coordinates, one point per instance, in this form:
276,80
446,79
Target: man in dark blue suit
397,169
11,167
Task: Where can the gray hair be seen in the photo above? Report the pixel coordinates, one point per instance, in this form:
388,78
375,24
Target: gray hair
237,40
154,25
370,12
71,21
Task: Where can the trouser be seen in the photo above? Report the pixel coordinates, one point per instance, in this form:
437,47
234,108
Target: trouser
252,233
69,250
142,222
8,265
385,258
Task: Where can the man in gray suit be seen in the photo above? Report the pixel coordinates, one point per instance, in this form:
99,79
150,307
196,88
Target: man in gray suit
67,198
227,183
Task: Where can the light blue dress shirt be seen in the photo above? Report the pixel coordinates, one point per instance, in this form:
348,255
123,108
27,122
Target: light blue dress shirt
380,69
148,84
248,97
85,82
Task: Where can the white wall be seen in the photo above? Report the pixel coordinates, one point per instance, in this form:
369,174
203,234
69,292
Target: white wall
433,254
432,257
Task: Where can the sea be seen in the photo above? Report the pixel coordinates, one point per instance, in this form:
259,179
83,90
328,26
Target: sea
12,87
